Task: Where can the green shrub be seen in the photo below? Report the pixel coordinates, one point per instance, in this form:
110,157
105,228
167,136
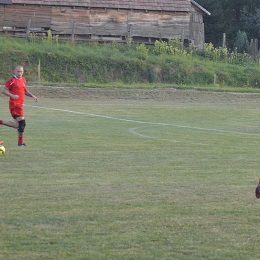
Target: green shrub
142,51
241,42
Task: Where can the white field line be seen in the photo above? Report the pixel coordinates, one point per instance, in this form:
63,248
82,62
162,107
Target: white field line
144,122
134,132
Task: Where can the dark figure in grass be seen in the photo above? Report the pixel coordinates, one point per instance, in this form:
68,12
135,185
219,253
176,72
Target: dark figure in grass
15,89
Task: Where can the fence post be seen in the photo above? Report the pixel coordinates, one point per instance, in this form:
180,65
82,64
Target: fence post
39,71
224,44
256,49
28,28
73,32
182,39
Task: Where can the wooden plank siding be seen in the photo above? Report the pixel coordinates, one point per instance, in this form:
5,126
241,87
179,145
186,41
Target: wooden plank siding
197,27
142,20
17,16
120,23
158,25
2,12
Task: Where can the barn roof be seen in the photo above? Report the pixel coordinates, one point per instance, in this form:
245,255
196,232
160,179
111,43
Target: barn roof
6,2
152,5
200,7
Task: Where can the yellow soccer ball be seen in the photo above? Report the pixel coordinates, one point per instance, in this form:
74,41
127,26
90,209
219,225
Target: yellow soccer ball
2,150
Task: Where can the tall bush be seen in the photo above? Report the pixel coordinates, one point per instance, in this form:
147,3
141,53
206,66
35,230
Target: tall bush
241,42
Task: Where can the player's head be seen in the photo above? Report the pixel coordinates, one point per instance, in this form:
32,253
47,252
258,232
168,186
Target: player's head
18,71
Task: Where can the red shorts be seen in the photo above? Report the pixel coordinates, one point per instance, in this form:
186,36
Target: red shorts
16,111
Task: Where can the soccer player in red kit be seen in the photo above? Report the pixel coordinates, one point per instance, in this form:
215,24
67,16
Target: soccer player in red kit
15,89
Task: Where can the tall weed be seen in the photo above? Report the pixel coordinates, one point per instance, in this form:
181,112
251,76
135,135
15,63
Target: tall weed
222,54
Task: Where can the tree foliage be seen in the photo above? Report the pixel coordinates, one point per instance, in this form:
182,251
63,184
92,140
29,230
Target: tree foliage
230,16
251,22
241,42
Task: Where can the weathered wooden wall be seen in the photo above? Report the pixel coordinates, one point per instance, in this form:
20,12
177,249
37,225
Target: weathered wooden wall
158,25
197,28
120,23
17,16
2,9
101,23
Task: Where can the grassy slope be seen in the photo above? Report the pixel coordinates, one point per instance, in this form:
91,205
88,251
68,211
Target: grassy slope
114,65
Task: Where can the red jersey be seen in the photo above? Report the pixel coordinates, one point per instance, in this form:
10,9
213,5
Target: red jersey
16,87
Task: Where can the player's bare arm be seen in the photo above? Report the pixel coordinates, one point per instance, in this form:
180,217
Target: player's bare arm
28,94
6,92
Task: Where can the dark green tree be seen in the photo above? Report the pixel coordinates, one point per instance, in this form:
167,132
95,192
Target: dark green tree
241,42
228,16
214,26
251,23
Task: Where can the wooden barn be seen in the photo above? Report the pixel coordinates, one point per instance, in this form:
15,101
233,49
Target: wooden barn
106,20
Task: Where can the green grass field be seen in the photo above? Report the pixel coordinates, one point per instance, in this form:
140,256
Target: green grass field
132,179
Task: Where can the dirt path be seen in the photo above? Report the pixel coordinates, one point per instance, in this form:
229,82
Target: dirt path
169,94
